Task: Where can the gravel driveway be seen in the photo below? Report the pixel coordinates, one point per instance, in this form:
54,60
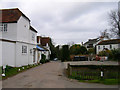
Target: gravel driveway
49,75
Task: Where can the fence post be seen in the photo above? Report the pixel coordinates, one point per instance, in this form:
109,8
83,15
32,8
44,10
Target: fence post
68,69
101,74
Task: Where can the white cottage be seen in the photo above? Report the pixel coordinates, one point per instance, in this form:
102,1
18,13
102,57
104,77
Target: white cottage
17,39
107,45
43,42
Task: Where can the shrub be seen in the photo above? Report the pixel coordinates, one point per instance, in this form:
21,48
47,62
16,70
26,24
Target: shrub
115,54
112,54
42,61
105,53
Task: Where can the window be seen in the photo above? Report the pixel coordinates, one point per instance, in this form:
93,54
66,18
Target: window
103,47
33,36
3,27
30,51
24,49
98,47
110,46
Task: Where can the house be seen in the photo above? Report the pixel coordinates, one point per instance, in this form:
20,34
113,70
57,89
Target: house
18,39
43,42
107,45
91,43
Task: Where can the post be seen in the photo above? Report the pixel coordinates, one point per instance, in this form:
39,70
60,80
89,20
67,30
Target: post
68,69
101,74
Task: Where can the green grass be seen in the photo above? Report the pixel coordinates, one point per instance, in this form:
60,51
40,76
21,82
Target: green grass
87,77
11,71
104,81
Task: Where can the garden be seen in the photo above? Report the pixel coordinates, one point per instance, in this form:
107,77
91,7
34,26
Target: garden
105,74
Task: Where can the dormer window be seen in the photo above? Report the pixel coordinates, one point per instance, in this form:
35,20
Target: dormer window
33,36
3,27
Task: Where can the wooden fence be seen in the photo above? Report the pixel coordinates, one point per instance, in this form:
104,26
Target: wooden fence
91,72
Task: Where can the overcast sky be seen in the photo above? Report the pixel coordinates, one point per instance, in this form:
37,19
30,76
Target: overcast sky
66,20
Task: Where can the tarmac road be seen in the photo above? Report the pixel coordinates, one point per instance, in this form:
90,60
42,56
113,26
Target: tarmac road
49,75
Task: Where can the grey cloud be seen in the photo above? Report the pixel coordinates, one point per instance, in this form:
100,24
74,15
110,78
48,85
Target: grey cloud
65,22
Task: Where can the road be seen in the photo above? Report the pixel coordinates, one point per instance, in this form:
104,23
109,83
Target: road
49,75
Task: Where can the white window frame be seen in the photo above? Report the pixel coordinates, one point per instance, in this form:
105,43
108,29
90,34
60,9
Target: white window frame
31,51
24,49
33,36
3,27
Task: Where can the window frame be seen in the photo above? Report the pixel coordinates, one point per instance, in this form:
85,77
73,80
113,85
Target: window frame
3,27
110,46
24,49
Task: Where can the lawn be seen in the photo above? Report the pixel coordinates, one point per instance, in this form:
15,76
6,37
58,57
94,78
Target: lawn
92,74
11,71
104,81
95,79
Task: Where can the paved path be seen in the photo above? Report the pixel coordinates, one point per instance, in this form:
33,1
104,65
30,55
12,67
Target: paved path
49,75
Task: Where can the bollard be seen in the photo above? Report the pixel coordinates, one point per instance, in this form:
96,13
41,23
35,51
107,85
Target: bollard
101,74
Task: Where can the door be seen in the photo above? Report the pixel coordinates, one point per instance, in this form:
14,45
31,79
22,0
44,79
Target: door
33,56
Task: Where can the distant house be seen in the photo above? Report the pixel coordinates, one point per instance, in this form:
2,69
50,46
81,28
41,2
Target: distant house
107,45
44,43
91,43
18,39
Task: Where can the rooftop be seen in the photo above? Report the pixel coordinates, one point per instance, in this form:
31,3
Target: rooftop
11,15
107,42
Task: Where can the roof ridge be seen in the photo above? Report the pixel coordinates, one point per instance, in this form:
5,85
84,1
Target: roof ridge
10,9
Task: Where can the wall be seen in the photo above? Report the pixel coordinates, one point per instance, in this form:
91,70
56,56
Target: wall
23,29
8,53
30,55
11,33
114,46
31,40
21,58
0,53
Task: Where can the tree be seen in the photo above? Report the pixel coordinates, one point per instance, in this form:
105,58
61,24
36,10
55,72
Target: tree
75,49
91,51
53,49
58,52
78,49
114,20
83,50
105,34
65,53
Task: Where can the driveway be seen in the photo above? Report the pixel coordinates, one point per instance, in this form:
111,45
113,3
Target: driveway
49,75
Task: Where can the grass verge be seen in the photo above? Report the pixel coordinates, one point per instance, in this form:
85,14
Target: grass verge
104,81
11,71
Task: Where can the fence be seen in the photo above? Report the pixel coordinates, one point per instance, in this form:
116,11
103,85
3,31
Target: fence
91,72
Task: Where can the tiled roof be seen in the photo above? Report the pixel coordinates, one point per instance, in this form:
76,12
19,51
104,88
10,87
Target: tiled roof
91,41
44,40
107,42
31,28
10,15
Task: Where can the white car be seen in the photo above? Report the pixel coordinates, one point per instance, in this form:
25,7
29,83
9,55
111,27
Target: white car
55,59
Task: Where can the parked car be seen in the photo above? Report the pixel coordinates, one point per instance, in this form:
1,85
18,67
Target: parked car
80,58
101,58
55,59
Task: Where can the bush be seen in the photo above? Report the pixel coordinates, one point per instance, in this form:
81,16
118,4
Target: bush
112,54
47,60
42,61
105,53
115,54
